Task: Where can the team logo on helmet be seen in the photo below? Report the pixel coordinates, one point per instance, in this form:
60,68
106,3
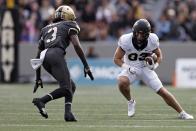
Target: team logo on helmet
65,13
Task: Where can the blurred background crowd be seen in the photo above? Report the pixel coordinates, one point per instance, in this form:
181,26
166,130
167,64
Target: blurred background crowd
106,20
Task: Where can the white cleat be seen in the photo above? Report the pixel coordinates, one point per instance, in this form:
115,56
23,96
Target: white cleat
131,108
185,116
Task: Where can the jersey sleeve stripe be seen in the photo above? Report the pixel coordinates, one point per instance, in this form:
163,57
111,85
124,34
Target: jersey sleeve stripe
72,29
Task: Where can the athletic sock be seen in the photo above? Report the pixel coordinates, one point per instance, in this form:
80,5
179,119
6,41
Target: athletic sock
46,98
132,100
68,107
182,112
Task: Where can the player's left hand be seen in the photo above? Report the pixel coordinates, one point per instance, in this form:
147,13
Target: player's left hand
37,84
88,72
151,66
151,61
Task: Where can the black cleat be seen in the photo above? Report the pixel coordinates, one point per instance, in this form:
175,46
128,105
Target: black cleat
69,117
41,107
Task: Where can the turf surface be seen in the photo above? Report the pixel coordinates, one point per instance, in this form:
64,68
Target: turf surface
96,108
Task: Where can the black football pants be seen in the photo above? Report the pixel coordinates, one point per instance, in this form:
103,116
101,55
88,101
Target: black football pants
55,64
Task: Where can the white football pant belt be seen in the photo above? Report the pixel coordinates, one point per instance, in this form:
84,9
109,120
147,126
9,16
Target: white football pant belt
36,63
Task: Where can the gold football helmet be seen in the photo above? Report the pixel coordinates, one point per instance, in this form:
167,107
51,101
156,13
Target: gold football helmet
65,12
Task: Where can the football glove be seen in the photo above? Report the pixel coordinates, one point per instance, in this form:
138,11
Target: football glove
37,84
151,61
152,66
88,72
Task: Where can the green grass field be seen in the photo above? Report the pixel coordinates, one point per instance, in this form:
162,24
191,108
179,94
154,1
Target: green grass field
96,108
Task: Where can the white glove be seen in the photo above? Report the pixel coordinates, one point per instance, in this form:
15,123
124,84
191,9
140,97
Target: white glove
150,62
36,63
152,66
130,69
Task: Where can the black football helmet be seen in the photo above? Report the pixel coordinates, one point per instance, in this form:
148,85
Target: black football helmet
141,26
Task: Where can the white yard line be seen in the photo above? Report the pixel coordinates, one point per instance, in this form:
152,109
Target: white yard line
95,126
91,119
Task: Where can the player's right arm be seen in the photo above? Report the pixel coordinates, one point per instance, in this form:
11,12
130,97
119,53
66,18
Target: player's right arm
38,71
38,80
40,49
118,55
118,60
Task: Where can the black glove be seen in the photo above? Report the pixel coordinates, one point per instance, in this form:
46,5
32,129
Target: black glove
88,72
37,84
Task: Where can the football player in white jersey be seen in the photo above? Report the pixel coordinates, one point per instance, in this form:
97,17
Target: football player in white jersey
131,53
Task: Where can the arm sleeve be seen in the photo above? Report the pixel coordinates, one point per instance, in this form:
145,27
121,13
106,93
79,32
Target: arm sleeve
73,31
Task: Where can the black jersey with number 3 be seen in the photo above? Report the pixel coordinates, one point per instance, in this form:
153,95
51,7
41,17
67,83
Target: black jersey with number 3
58,34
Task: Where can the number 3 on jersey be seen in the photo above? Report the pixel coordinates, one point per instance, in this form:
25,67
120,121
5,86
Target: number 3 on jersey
54,29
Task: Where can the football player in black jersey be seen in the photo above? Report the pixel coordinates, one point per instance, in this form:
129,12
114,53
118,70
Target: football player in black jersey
56,37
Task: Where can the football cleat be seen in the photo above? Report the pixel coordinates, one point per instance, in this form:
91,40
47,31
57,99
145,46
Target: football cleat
185,116
40,106
69,117
131,108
